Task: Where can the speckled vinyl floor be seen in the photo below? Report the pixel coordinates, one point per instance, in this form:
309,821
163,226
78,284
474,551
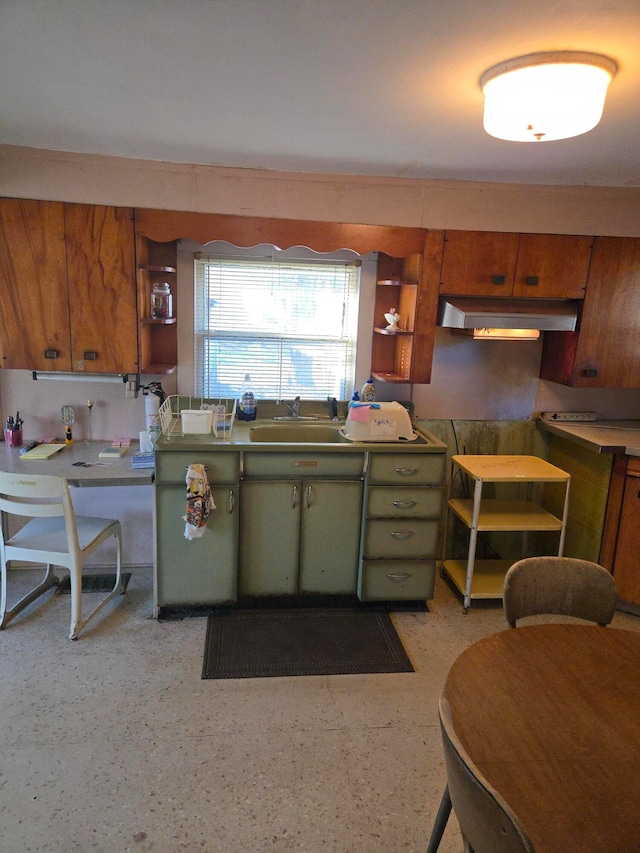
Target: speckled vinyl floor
114,743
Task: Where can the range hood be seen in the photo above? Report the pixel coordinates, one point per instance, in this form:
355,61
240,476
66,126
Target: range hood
488,315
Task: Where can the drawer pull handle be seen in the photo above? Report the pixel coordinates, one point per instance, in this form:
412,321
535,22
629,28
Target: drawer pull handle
309,488
402,534
51,353
398,576
294,497
407,472
90,355
404,504
231,502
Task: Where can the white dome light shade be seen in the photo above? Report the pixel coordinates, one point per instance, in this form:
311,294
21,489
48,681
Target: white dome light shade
545,96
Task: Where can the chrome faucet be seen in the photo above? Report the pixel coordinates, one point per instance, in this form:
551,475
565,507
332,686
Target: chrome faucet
294,407
295,415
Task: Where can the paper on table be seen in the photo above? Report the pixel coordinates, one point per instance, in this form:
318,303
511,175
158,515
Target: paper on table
42,451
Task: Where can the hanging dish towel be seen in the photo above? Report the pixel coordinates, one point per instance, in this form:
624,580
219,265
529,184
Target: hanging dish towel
199,501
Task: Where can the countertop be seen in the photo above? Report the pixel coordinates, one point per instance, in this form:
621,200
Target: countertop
65,463
240,440
600,436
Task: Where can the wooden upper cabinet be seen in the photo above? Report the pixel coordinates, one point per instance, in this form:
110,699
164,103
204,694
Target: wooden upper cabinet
605,350
487,263
552,266
67,287
34,306
102,288
479,263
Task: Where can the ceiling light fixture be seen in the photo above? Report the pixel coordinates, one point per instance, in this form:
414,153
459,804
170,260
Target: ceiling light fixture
545,96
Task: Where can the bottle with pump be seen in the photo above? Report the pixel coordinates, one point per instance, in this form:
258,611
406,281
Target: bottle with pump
354,399
368,393
247,409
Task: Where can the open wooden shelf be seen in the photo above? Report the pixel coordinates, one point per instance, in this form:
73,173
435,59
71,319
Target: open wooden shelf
380,331
156,268
389,377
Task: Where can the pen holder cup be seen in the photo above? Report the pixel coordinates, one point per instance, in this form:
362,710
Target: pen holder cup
13,437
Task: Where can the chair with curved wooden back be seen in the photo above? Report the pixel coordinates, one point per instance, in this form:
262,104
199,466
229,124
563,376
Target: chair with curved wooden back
566,586
487,823
54,536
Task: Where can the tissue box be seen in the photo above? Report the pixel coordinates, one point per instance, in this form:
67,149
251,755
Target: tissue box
196,421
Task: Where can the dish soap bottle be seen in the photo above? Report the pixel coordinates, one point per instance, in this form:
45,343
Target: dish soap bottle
368,393
354,399
247,409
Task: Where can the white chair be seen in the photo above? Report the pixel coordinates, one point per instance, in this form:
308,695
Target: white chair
55,536
539,586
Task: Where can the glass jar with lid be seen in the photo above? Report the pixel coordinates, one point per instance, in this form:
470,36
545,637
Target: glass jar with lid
161,301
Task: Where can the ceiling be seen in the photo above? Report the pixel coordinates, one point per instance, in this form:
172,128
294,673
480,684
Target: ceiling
363,87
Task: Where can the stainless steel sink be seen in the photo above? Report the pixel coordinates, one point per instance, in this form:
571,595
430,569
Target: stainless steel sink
296,432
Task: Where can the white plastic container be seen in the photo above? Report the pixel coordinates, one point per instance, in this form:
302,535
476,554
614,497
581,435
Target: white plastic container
196,421
379,422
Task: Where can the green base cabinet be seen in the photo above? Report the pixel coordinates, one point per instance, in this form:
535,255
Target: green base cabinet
402,527
299,537
196,571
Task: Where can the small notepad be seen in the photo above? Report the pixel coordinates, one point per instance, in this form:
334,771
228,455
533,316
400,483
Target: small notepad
114,451
42,451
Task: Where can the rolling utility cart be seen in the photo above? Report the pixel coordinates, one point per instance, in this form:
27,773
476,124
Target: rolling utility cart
485,578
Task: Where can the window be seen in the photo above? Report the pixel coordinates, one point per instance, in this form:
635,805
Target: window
289,322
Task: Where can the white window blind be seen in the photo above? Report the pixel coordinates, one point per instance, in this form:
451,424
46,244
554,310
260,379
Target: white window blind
291,324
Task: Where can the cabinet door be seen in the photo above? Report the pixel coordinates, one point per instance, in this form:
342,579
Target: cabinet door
269,543
604,352
197,571
552,266
102,288
479,263
330,541
626,568
34,308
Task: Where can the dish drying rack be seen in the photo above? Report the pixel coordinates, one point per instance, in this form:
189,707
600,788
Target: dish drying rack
222,421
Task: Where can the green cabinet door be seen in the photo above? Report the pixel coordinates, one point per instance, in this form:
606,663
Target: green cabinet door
330,537
299,537
269,544
197,571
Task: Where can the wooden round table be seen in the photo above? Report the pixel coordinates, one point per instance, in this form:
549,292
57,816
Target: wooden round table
551,716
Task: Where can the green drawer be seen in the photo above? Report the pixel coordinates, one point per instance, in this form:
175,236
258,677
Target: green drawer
222,467
402,538
397,580
303,465
407,468
404,502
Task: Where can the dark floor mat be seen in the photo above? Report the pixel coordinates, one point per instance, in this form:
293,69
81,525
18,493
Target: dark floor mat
95,583
264,643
